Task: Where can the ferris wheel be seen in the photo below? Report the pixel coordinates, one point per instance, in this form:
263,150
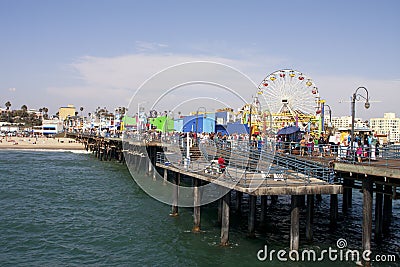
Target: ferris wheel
289,92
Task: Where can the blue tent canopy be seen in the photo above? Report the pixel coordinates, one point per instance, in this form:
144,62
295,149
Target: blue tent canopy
288,130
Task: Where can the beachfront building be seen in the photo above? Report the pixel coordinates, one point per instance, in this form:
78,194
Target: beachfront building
344,122
64,112
49,127
389,125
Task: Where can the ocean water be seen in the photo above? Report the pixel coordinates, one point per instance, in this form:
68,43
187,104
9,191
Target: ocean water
70,209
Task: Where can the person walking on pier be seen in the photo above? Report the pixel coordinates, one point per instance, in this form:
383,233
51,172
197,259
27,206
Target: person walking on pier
221,164
321,144
359,151
310,146
374,142
302,146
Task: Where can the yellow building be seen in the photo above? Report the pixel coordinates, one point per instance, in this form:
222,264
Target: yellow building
64,112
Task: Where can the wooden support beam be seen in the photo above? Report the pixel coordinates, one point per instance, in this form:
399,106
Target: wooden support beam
387,208
263,215
367,185
238,203
220,204
350,194
154,173
225,219
165,176
149,167
309,217
196,204
274,200
294,223
135,160
139,166
175,194
345,196
252,216
378,212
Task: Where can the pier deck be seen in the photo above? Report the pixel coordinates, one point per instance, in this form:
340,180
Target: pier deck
258,184
258,173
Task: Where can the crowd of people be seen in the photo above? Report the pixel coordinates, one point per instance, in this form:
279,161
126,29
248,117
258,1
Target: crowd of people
364,146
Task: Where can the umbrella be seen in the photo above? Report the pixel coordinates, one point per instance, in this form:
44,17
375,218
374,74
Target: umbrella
288,130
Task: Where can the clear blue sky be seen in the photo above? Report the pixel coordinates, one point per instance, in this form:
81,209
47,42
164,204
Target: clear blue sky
50,50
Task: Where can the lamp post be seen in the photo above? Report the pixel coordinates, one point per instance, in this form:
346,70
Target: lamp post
354,98
138,115
251,109
197,117
330,112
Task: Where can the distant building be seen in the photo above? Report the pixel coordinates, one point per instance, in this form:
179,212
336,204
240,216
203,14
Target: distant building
64,112
49,127
344,122
389,125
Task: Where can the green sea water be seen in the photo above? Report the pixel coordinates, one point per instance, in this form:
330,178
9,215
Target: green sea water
70,209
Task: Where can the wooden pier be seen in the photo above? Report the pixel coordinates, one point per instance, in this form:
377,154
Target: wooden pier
378,178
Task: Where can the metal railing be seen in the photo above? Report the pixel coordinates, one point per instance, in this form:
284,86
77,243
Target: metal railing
387,156
249,165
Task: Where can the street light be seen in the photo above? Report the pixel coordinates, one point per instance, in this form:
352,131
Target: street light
367,105
265,123
330,113
197,117
138,114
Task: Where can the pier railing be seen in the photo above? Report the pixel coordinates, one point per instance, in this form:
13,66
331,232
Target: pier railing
247,165
387,156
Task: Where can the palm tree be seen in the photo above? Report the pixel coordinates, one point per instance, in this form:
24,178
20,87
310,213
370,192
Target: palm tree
23,112
81,109
45,110
8,105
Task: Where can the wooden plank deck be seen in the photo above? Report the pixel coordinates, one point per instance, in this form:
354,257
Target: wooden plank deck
373,169
257,185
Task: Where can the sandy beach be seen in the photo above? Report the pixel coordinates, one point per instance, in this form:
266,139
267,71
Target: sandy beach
40,143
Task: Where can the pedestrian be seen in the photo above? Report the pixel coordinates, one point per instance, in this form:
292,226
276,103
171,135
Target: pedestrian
302,146
321,143
310,146
359,151
374,142
221,164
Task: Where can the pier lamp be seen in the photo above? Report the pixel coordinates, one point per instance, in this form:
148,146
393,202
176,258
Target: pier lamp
197,118
356,97
138,115
330,112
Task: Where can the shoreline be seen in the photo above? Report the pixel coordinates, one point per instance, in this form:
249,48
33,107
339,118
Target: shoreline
25,143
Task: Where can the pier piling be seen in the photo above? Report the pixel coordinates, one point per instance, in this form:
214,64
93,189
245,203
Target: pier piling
387,208
175,194
367,186
309,217
165,176
225,219
294,223
378,211
238,203
263,215
196,204
252,216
